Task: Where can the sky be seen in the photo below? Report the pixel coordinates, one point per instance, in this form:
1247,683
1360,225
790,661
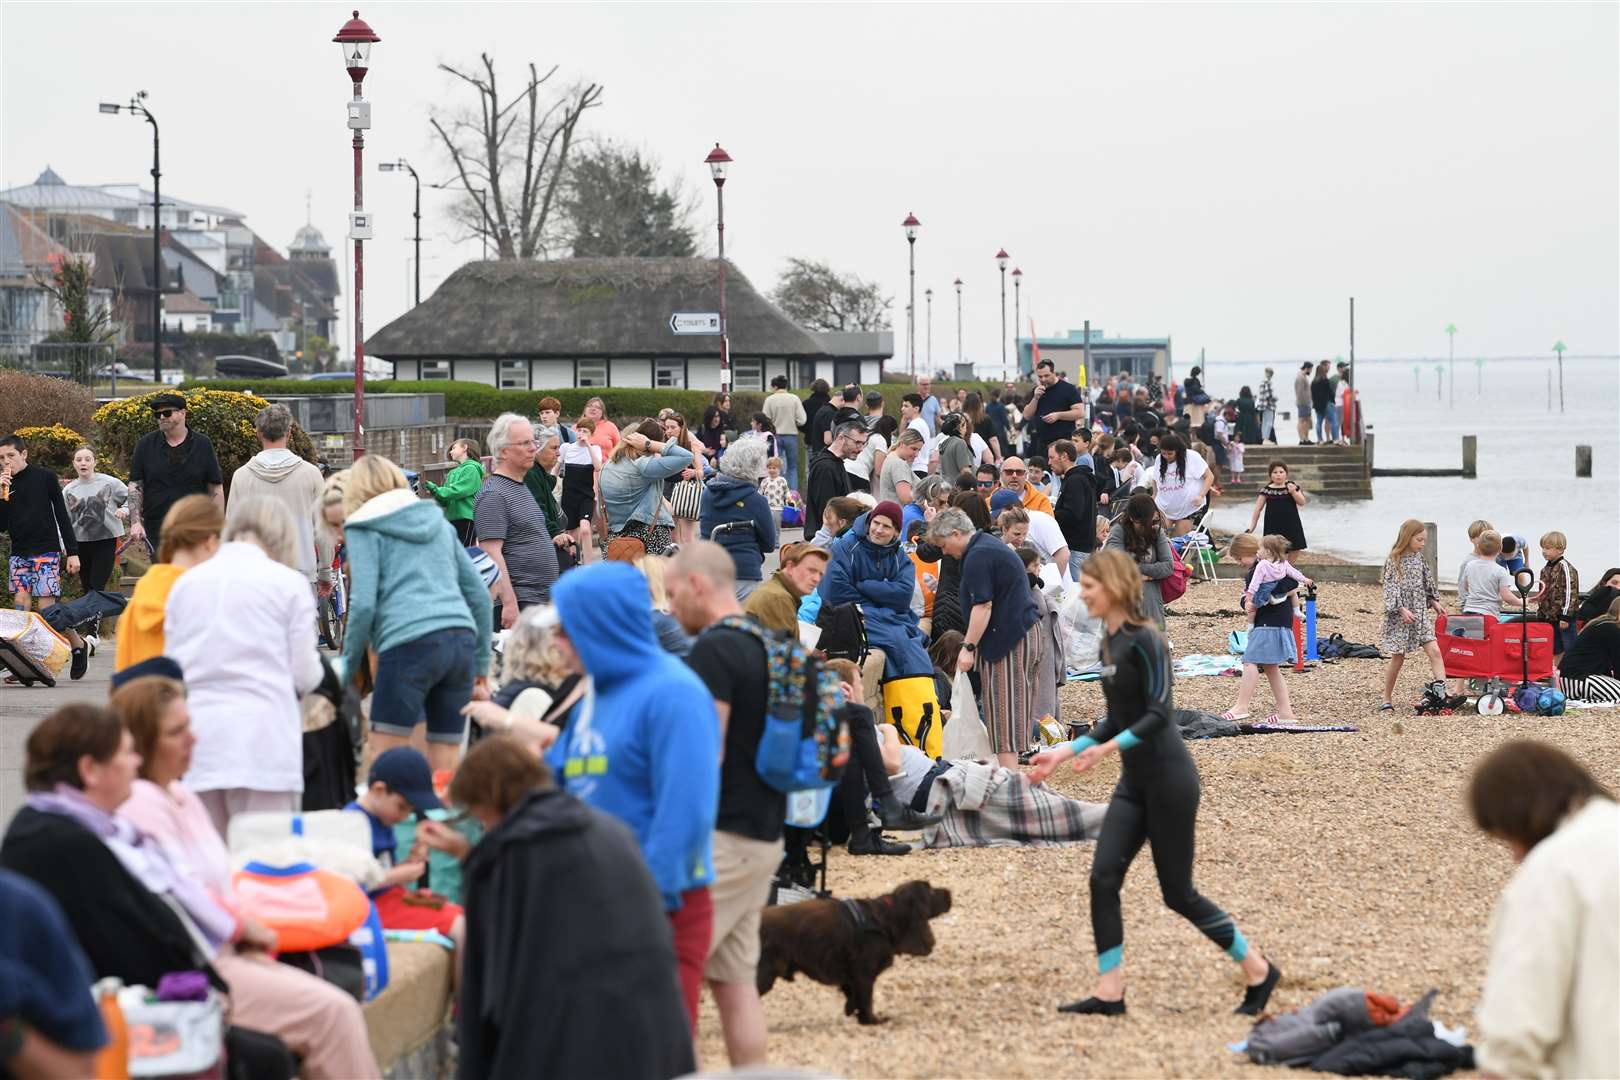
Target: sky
1225,174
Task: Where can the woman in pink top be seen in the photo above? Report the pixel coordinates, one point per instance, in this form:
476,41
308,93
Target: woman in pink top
317,1020
606,434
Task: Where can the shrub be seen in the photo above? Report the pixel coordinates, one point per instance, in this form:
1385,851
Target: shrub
51,448
225,416
28,400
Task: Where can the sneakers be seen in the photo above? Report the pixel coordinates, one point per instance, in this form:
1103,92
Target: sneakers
1094,1006
900,817
1255,997
873,843
92,641
81,662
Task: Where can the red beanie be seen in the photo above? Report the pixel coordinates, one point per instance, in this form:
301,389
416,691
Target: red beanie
890,509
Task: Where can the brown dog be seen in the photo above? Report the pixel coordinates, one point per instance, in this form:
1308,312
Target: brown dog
848,943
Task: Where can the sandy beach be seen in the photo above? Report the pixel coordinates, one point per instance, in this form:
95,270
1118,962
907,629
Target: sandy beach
1348,858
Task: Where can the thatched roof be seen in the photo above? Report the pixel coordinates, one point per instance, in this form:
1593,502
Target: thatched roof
610,308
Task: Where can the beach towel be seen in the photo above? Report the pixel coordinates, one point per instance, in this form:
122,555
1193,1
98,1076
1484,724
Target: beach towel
1194,665
989,806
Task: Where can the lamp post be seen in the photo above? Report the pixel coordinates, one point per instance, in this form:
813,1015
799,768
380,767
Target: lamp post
928,305
1559,349
958,284
354,41
137,105
719,163
1001,264
911,225
394,166
1451,358
1018,317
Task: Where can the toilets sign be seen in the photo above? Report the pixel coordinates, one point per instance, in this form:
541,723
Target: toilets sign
695,322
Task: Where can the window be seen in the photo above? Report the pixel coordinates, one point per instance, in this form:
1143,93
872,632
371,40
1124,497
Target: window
435,369
590,373
514,375
747,374
669,374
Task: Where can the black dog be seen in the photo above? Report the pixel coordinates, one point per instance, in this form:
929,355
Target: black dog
848,943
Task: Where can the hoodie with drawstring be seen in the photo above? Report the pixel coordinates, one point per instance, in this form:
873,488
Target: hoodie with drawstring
730,501
644,742
408,577
282,475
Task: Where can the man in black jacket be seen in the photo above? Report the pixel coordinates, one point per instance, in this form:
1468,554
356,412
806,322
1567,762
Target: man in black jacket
1076,504
827,478
820,395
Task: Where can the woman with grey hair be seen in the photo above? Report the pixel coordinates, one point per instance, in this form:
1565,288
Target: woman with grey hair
737,515
242,628
931,492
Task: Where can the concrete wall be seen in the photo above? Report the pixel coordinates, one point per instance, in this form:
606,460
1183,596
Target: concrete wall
479,371
630,373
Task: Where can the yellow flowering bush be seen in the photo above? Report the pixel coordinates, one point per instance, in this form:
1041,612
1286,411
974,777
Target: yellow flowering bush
225,416
51,448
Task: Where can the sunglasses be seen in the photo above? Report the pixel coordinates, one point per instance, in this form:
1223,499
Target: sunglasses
1013,472
164,414
987,483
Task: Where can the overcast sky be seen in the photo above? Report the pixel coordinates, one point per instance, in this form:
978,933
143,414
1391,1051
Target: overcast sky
1225,174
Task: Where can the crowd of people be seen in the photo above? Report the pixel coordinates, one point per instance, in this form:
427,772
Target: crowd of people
635,579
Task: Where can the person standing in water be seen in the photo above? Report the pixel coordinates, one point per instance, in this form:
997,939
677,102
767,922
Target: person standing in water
1157,798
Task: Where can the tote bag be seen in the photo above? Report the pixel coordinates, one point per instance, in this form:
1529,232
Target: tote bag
965,736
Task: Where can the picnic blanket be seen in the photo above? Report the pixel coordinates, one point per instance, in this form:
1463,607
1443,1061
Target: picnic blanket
1195,664
987,805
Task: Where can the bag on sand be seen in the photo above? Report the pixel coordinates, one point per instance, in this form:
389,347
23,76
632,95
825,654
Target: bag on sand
965,736
910,704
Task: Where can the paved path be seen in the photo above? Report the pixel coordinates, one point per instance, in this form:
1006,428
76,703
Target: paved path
21,708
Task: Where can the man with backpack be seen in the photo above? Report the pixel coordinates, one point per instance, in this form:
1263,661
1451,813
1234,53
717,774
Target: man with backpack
729,655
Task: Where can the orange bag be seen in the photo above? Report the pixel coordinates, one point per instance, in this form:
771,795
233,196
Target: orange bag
307,908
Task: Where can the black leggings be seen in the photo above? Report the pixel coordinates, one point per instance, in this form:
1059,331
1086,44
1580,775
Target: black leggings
465,532
1163,813
96,563
865,775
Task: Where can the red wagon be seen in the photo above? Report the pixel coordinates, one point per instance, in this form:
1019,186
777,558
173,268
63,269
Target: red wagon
1480,647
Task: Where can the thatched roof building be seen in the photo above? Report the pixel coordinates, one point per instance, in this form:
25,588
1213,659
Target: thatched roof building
594,322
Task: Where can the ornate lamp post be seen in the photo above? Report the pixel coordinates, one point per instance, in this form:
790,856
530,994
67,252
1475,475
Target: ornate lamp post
928,305
958,284
394,166
1018,316
1001,264
137,105
719,162
354,42
911,225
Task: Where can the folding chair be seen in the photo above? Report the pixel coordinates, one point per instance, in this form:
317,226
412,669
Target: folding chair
1199,553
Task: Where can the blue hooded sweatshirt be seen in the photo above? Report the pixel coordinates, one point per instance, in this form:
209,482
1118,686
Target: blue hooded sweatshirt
727,499
881,581
644,742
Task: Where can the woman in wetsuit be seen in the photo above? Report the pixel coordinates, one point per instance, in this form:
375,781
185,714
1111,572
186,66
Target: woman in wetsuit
1157,797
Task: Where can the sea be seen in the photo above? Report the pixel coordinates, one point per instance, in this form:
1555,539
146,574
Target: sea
1526,483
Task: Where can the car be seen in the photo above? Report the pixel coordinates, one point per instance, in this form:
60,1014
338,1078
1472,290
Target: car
121,370
248,367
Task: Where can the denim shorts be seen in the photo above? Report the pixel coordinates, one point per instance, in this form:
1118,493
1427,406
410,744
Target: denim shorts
428,679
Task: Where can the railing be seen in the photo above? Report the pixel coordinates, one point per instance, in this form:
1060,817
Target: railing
80,362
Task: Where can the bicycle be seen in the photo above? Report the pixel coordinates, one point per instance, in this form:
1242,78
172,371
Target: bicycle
332,612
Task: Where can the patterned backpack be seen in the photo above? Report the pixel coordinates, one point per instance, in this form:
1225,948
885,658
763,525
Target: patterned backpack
805,745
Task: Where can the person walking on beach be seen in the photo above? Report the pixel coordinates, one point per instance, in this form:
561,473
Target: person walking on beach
1280,501
169,464
1270,645
1302,402
1410,593
1266,402
35,515
1156,800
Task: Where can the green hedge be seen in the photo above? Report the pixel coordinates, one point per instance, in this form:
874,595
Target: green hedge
468,400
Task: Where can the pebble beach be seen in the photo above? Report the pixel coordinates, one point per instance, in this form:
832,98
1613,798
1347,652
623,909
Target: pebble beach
1347,858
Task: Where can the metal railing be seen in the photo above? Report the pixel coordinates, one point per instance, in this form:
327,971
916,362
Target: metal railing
81,362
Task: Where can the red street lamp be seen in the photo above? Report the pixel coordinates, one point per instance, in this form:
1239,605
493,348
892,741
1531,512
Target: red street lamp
911,225
1018,316
354,41
1001,264
719,163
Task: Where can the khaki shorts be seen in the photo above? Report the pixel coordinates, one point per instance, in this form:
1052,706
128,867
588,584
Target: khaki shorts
743,870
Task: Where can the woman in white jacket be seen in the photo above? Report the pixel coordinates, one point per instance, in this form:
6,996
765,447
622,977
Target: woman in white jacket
1552,987
244,634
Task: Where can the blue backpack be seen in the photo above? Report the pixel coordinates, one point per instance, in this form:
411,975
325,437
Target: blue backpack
805,745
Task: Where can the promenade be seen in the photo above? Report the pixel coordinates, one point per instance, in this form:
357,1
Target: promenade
21,708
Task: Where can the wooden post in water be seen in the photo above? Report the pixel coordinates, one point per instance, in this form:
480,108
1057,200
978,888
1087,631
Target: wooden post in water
1431,554
1583,461
1470,452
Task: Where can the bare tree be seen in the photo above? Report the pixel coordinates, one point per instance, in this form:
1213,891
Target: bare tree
817,297
516,151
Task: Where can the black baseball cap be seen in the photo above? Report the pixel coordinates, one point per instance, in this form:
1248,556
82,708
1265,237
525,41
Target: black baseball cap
163,667
406,771
168,401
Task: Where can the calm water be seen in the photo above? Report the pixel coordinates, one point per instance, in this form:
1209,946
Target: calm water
1526,483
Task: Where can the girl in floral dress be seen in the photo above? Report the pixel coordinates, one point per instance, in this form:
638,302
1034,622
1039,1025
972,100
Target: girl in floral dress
1410,593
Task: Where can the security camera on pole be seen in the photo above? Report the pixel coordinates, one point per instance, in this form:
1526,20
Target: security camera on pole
354,40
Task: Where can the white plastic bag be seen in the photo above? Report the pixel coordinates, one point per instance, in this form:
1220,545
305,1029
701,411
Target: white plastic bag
965,737
1082,634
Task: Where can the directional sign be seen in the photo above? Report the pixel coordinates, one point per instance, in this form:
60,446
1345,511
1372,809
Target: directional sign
695,322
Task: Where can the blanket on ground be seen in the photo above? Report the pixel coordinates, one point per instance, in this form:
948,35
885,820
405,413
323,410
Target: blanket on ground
1195,664
986,805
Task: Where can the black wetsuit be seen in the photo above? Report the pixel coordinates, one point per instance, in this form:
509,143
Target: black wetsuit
1157,798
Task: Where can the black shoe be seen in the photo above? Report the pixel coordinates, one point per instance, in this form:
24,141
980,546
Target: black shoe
1094,1006
81,662
897,815
1256,996
874,844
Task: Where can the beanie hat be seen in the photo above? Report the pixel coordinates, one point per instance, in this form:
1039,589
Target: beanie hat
890,509
1002,499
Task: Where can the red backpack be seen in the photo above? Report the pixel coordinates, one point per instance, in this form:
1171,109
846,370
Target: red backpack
1172,587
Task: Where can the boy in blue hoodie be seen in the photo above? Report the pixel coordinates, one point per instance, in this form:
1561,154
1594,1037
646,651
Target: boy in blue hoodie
644,746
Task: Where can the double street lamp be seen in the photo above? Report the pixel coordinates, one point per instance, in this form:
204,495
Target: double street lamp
137,106
1002,259
354,41
911,225
395,166
719,163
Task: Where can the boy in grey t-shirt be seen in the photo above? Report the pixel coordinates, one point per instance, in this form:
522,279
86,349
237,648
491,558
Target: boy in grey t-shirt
1483,584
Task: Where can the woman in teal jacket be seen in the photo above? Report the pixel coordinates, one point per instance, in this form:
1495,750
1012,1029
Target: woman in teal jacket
457,492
